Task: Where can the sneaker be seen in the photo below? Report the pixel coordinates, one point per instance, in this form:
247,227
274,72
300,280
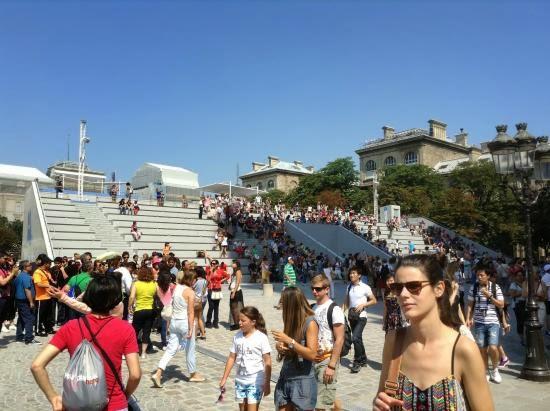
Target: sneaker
216,326
143,356
164,347
156,380
495,376
208,325
19,341
355,368
503,362
5,328
33,342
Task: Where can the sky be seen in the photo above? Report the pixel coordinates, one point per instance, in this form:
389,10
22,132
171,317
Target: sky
213,85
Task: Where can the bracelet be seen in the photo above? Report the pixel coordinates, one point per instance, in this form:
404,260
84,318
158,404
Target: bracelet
331,367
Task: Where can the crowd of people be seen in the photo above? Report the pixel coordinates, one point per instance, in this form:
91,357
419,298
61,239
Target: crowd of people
452,302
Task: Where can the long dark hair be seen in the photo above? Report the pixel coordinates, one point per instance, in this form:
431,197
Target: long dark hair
430,266
254,315
296,310
164,280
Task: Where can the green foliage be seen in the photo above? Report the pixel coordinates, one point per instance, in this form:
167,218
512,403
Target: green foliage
415,188
274,196
11,233
339,175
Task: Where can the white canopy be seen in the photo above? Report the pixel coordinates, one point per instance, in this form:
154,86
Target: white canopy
19,173
228,188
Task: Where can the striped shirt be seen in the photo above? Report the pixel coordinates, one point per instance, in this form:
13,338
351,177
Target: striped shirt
289,279
485,312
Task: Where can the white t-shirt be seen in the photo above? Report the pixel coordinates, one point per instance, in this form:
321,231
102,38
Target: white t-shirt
326,338
359,294
249,359
546,281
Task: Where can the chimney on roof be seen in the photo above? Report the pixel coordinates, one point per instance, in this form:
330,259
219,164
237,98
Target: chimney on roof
438,129
256,166
310,168
388,132
272,160
462,138
298,163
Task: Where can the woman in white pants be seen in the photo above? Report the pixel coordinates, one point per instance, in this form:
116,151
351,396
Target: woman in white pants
181,326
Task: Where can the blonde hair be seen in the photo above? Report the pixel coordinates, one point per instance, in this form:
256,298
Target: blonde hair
321,279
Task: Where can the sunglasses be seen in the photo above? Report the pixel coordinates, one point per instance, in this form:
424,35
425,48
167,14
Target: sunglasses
318,289
414,287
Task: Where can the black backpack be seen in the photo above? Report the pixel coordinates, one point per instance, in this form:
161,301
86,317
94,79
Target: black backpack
347,330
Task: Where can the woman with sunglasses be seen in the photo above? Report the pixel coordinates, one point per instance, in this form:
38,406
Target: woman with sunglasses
430,349
359,296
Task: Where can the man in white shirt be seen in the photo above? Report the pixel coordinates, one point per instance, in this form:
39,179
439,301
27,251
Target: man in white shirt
359,296
331,339
126,284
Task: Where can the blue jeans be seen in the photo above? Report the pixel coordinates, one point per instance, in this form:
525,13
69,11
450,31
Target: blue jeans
486,334
178,336
25,321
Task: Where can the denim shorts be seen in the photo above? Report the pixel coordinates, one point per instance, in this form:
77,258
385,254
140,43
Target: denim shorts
300,392
486,334
250,392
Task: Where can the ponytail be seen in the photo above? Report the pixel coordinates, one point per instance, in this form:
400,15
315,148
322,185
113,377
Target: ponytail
255,315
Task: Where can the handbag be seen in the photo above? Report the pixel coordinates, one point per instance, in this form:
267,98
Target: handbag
216,294
391,385
133,403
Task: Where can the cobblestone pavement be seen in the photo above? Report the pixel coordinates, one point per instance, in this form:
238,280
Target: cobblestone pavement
19,391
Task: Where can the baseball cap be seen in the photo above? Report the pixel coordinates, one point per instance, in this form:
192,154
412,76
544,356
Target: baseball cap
290,258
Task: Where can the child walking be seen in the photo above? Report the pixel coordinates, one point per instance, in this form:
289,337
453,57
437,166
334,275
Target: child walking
252,354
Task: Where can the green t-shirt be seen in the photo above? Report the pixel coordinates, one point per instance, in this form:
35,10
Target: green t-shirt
81,280
289,279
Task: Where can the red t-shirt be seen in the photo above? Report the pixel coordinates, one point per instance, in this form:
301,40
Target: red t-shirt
117,338
216,277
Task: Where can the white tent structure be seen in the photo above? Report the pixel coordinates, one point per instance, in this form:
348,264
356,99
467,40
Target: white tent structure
234,190
172,181
14,182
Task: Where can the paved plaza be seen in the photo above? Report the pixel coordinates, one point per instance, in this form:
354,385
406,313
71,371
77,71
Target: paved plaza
18,390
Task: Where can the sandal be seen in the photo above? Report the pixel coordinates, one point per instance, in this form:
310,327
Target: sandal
197,379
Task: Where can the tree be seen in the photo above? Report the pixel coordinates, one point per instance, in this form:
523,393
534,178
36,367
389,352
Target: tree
413,187
274,196
338,175
11,233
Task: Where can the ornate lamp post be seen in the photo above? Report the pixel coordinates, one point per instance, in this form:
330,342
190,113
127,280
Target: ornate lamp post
524,164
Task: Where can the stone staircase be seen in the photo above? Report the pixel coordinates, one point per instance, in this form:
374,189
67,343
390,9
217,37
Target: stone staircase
403,235
104,231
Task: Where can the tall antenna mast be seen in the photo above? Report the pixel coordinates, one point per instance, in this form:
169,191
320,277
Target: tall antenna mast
83,140
237,179
68,146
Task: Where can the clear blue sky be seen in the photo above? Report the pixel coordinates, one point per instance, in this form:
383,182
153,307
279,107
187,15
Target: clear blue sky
206,85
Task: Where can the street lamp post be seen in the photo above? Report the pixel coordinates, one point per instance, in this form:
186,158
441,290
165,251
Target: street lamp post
524,164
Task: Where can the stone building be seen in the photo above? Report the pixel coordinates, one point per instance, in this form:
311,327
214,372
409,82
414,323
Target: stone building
14,182
276,174
429,147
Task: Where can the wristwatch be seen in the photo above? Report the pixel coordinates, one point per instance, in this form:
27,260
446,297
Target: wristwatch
291,345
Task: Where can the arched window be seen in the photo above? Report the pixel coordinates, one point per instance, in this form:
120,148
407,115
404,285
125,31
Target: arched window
389,161
370,165
411,158
270,184
260,186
